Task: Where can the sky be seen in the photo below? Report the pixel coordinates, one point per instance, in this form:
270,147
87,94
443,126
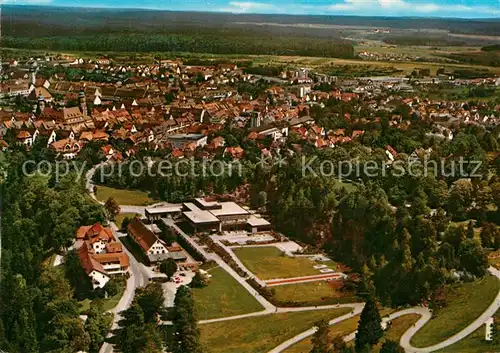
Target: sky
421,8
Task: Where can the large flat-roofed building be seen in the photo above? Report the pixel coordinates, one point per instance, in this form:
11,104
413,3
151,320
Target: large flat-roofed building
204,215
202,220
207,205
257,224
230,212
157,213
180,140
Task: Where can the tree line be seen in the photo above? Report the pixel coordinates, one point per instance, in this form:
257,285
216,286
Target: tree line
204,42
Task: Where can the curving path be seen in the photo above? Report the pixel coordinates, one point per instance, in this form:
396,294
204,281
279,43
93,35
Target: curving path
425,316
489,312
357,308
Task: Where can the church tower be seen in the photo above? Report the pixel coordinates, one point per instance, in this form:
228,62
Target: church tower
41,103
83,103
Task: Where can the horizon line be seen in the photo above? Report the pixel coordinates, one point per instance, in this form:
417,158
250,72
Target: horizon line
494,19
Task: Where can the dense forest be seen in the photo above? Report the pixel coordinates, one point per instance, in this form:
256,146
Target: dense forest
38,308
150,31
209,42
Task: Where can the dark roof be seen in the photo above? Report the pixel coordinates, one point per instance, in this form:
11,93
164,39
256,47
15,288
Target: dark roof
142,235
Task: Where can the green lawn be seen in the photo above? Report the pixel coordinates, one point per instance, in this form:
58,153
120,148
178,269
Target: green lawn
268,262
466,302
223,296
399,326
314,293
494,261
111,302
119,219
341,329
474,342
261,333
123,196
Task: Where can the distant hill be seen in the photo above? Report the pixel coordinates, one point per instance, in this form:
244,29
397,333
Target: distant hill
137,30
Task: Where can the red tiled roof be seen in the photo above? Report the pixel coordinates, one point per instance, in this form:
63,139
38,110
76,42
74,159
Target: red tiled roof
94,233
88,262
141,234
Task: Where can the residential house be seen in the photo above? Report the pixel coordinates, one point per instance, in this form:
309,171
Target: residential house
96,235
93,268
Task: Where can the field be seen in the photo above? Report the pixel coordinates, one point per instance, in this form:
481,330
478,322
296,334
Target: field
124,197
261,333
466,302
269,263
223,297
313,293
474,343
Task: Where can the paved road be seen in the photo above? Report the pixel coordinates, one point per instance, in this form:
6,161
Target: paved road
424,312
139,277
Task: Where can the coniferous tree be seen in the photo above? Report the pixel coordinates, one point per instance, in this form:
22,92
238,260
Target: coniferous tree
470,230
369,329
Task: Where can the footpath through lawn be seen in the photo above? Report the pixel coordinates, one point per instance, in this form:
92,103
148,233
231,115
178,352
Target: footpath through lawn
260,334
465,303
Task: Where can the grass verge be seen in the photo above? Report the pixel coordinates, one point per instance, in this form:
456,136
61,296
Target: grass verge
121,216
313,293
474,342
